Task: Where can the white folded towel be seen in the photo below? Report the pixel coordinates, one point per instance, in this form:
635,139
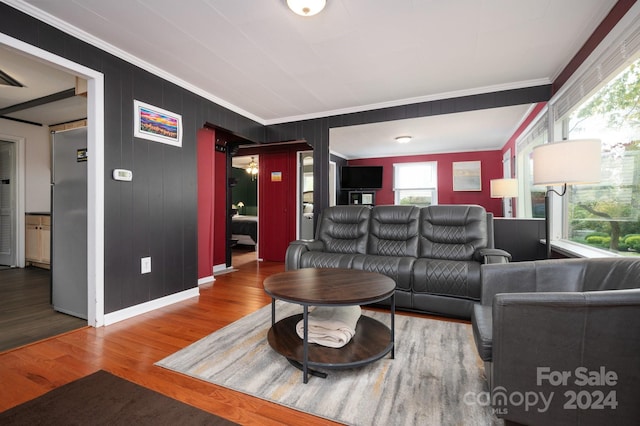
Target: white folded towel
331,326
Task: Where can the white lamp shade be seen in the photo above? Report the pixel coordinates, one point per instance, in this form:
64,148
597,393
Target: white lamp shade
306,7
504,188
571,162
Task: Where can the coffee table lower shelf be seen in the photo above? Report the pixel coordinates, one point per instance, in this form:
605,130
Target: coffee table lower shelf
371,342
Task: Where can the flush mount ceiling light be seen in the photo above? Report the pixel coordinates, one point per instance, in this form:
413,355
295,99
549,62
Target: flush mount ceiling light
403,139
306,7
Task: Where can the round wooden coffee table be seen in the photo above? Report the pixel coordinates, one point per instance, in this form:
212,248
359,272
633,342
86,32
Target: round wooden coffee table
330,287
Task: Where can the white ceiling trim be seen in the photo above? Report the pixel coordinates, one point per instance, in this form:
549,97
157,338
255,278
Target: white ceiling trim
524,118
101,44
411,157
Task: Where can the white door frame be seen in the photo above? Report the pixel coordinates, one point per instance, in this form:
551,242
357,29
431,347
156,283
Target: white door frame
507,210
95,187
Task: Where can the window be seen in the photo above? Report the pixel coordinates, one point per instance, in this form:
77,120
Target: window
607,215
415,183
531,199
601,100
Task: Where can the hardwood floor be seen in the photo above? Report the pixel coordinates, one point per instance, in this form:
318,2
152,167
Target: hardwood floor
26,314
243,254
130,348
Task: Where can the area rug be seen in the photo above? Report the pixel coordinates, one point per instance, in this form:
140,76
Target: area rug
435,378
104,399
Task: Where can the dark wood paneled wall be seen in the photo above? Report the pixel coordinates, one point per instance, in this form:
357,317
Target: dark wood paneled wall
155,214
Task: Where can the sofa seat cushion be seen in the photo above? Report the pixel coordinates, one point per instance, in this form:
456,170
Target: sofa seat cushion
318,259
456,278
482,324
397,268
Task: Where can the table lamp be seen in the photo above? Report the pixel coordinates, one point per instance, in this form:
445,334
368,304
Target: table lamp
504,188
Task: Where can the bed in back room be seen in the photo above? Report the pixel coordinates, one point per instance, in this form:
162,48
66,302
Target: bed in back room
244,229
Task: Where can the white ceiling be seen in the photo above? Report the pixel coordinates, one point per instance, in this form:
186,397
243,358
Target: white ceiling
39,80
261,60
467,131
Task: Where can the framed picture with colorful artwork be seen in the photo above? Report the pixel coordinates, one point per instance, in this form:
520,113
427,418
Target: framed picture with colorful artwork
157,124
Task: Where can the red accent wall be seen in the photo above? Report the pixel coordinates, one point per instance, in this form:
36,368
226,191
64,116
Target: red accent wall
220,208
491,163
206,188
276,204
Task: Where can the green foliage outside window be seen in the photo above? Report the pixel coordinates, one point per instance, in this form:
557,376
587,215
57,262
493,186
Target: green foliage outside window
420,201
607,215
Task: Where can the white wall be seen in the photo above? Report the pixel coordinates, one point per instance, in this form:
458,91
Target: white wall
38,163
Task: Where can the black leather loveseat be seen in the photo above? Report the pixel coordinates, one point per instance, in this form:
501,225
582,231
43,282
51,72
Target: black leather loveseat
433,253
560,340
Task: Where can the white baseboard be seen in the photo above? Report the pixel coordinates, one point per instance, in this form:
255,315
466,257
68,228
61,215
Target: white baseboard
143,308
206,280
219,268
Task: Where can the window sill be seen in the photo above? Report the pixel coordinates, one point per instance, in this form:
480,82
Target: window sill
571,249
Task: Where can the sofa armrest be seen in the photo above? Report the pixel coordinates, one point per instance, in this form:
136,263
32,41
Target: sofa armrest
568,335
492,255
295,250
482,327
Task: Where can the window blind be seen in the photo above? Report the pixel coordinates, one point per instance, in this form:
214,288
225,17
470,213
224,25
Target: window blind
540,127
620,53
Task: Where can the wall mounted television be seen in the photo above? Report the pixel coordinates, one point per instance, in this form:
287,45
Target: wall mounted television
361,177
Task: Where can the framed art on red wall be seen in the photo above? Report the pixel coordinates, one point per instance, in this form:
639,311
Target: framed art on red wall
467,176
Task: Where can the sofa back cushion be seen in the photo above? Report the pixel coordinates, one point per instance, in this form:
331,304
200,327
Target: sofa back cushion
393,231
611,274
452,232
550,275
344,229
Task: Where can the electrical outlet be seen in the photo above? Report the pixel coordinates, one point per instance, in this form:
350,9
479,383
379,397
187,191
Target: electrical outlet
145,265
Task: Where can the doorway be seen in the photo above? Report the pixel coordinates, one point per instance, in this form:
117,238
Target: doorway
305,195
95,145
8,240
244,209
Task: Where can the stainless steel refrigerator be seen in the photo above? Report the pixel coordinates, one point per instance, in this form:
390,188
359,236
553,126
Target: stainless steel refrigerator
69,222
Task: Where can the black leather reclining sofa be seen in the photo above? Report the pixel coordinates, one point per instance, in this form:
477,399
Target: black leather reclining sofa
433,253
